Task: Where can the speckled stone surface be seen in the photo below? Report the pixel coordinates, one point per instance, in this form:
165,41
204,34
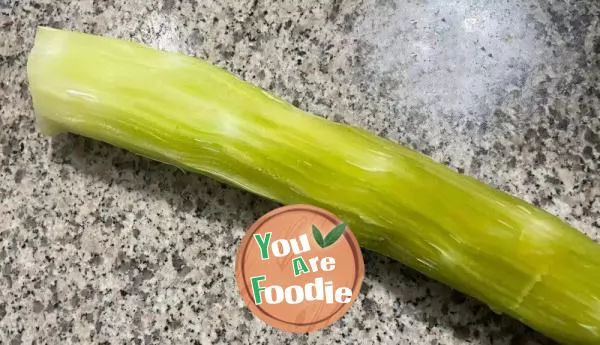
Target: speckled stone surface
100,246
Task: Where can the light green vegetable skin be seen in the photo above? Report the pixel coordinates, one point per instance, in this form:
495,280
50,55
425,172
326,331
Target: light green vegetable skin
183,111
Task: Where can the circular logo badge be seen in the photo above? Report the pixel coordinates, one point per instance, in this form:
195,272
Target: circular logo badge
299,268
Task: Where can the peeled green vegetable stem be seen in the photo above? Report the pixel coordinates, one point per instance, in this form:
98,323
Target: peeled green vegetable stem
183,111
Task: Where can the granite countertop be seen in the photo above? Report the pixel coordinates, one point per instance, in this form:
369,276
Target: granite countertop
100,246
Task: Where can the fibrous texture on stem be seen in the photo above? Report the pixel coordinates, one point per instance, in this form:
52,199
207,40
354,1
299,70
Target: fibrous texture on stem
183,111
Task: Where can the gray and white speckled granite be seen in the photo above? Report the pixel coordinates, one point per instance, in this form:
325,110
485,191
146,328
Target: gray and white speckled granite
100,246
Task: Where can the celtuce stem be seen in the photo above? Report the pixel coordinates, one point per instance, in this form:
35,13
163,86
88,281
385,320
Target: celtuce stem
183,111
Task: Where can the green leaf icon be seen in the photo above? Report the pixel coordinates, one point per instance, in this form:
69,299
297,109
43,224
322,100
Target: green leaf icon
334,234
331,237
318,237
